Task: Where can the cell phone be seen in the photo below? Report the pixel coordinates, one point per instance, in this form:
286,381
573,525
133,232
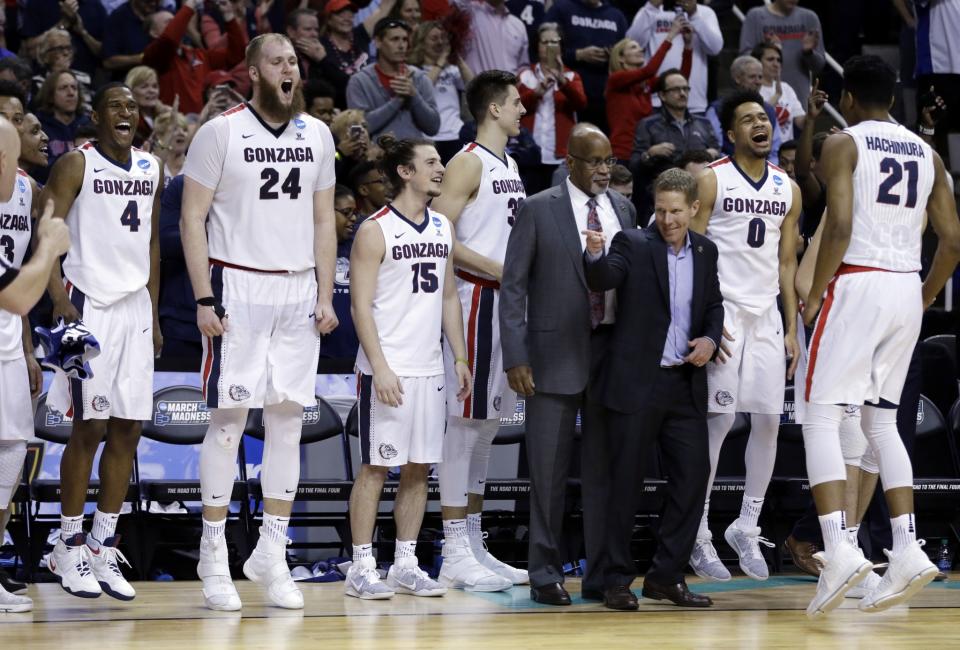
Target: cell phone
552,52
355,131
929,98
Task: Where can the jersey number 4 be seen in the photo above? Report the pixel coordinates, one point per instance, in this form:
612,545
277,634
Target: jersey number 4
894,170
425,277
130,217
290,187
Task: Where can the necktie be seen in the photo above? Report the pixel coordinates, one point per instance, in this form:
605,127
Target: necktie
597,299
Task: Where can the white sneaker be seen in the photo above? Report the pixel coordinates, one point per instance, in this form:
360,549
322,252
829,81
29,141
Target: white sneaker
461,570
405,577
14,604
479,548
909,571
363,581
865,586
747,545
267,566
704,560
104,563
71,563
219,592
842,569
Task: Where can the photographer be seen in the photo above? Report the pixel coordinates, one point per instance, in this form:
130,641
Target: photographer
352,135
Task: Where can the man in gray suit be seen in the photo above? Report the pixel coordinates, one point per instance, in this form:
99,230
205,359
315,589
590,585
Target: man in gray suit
554,331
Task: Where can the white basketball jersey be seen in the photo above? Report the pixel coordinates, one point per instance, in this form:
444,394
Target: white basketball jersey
485,223
745,226
14,241
263,181
110,225
891,185
408,303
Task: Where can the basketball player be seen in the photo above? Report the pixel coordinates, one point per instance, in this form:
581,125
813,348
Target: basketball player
403,297
880,178
749,208
107,191
21,285
262,272
481,193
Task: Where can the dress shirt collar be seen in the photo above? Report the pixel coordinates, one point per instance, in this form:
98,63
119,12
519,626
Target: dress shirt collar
684,250
578,196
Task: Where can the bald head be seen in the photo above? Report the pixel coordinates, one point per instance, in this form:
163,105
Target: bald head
9,153
584,135
589,159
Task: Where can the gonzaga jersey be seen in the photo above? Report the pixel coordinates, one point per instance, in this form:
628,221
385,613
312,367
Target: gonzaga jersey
745,226
110,225
408,303
263,181
485,223
14,240
891,185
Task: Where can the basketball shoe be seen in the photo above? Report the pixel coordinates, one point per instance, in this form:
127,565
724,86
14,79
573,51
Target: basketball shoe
13,603
104,562
363,581
71,563
405,577
747,545
267,566
478,546
842,569
704,560
909,571
219,592
461,570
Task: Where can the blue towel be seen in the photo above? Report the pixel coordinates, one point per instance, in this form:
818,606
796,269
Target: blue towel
67,349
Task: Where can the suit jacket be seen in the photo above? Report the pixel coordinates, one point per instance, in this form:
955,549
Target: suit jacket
544,303
637,267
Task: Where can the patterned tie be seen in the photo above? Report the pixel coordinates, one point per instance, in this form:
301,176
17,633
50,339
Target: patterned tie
597,299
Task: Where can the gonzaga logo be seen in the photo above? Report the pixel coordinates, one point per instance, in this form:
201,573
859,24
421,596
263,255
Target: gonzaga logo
342,276
180,413
238,393
724,398
100,403
387,451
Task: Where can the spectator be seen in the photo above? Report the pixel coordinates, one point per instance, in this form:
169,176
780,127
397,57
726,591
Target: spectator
320,99
15,69
592,27
498,40
4,53
143,83
178,308
349,129
552,93
54,54
394,97
34,145
182,68
369,188
530,13
797,31
124,36
631,84
652,26
809,144
696,160
347,45
342,343
12,103
168,142
431,52
215,31
621,180
84,19
303,30
787,154
747,74
85,133
778,93
408,11
58,109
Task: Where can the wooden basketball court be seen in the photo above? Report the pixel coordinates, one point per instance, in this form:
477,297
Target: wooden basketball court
746,614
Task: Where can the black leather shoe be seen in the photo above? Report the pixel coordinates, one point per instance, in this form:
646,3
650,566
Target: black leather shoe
553,594
677,593
11,585
620,598
591,594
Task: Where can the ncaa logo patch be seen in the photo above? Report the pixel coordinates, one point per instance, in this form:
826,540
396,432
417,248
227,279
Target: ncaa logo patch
143,163
724,398
100,403
300,124
777,180
238,393
387,451
21,185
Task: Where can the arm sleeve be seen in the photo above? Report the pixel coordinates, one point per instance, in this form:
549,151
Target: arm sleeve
707,30
327,177
423,106
207,152
752,31
233,53
641,30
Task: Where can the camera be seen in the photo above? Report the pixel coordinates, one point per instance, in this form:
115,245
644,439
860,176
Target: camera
355,132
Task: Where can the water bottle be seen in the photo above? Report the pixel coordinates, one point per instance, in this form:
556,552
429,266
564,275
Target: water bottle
944,557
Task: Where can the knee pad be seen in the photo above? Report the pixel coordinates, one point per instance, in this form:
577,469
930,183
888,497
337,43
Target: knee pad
459,441
853,443
821,442
218,455
480,459
880,427
280,472
868,461
12,453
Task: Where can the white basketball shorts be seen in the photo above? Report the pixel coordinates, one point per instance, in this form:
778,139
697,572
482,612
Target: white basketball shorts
16,407
391,436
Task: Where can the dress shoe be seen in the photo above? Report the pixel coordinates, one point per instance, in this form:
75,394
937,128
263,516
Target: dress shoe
621,598
11,585
677,593
552,594
802,555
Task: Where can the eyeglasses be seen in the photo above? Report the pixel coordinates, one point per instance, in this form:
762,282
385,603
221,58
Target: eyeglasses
60,49
594,163
391,24
346,213
683,89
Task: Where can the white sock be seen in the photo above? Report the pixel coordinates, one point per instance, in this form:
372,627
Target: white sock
749,512
833,526
274,528
704,531
362,551
474,527
904,531
454,528
852,532
405,549
213,531
104,527
70,526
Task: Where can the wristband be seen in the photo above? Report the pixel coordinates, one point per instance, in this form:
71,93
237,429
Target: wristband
925,131
210,301
463,361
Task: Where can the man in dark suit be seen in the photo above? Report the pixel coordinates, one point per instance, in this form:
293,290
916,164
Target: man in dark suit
553,332
653,382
